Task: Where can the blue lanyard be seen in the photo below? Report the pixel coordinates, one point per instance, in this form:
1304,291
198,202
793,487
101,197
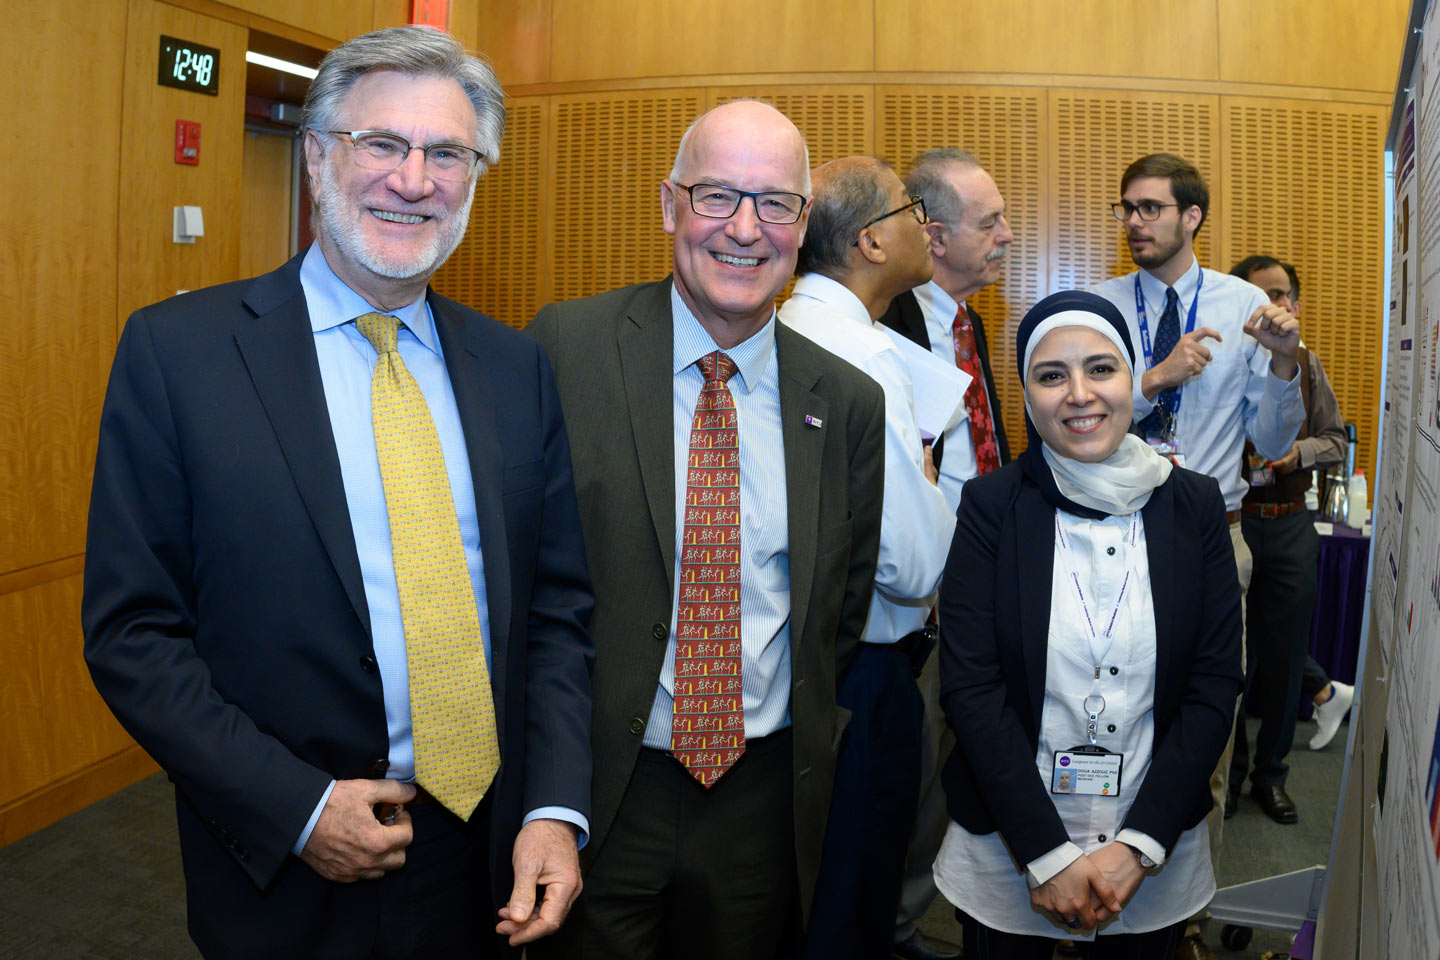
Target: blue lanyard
1145,328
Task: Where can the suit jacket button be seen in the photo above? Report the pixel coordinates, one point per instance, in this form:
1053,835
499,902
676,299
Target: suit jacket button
378,768
368,664
637,726
1111,728
659,631
1114,671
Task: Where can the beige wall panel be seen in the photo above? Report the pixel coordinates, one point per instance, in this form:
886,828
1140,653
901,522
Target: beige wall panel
611,152
1108,38
153,266
837,120
57,327
1005,128
1094,136
1304,183
497,268
337,19
593,40
265,212
1333,43
55,722
515,35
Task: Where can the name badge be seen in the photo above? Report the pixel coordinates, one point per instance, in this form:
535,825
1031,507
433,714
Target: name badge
1168,449
1088,771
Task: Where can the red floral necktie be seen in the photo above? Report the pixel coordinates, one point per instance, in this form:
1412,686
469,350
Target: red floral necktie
982,428
708,734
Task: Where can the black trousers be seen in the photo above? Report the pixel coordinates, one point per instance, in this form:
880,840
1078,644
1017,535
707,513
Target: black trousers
1313,678
877,788
983,943
691,873
1279,608
436,906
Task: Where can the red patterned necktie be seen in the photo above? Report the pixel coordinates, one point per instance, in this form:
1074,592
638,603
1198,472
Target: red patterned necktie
708,734
982,429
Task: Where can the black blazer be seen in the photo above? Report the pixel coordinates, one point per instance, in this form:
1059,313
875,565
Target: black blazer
613,356
225,615
994,623
905,317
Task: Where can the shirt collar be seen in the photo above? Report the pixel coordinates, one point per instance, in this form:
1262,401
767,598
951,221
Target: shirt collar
935,302
1185,287
332,303
835,295
692,341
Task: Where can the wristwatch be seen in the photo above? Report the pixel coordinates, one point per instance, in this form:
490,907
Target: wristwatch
1145,862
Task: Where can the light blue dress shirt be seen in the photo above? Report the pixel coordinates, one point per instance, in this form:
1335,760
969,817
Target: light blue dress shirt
347,364
1236,395
764,523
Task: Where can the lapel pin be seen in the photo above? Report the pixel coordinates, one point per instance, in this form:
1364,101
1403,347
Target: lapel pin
815,422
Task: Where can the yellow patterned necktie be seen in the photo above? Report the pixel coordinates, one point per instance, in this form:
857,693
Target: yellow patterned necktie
452,710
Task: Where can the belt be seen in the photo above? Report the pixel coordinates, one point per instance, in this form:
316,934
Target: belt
1233,516
1270,511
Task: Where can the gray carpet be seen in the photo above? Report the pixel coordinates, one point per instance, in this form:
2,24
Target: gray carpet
105,882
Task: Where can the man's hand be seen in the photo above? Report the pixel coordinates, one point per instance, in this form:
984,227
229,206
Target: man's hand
1288,463
1066,896
348,843
1186,362
545,854
1278,330
1117,864
932,473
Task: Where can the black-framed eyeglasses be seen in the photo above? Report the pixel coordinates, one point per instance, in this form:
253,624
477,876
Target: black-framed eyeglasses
917,203
1148,209
375,150
720,202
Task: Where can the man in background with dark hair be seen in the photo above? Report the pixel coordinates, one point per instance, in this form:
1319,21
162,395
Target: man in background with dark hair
1279,530
1217,365
865,244
335,583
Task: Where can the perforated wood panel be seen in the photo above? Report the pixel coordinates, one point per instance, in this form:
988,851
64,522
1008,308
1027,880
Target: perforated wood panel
1005,128
1095,136
1304,184
498,268
611,152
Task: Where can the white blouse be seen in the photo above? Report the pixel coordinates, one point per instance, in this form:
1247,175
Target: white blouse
976,872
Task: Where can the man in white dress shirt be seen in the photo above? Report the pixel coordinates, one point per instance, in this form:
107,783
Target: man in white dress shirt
969,240
865,244
1217,363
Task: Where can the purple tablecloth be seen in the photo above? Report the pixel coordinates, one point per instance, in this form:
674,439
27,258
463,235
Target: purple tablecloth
1339,605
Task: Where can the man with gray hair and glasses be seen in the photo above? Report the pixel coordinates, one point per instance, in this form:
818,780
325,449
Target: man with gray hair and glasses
335,580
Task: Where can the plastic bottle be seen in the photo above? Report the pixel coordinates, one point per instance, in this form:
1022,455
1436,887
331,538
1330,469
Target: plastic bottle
1358,494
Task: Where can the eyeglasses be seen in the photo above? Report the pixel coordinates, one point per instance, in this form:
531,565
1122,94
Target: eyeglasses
386,151
1148,209
720,203
918,203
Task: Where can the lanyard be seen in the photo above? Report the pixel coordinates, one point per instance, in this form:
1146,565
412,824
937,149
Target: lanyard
1091,621
1145,332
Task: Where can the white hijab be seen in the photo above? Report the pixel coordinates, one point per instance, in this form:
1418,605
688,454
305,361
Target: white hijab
1121,483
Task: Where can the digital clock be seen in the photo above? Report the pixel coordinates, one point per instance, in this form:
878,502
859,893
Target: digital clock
189,66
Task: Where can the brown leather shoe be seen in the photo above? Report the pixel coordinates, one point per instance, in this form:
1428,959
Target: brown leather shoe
1193,948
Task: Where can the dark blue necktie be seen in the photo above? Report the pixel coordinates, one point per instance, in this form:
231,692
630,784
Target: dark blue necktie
1167,335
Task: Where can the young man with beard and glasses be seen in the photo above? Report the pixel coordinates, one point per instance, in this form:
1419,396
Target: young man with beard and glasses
865,244
729,473
335,581
1215,365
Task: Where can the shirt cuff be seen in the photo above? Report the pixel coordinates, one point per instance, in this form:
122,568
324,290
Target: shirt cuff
1308,453
1145,843
314,819
1044,867
1275,386
568,816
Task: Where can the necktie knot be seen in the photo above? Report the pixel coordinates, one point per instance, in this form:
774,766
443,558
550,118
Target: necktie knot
381,330
717,366
1172,299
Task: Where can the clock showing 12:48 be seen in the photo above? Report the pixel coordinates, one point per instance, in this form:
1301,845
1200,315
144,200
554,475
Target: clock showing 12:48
189,66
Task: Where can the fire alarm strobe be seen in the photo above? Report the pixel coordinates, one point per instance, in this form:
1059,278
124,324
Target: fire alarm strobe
187,142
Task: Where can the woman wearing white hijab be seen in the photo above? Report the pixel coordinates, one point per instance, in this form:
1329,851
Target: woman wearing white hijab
1090,626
